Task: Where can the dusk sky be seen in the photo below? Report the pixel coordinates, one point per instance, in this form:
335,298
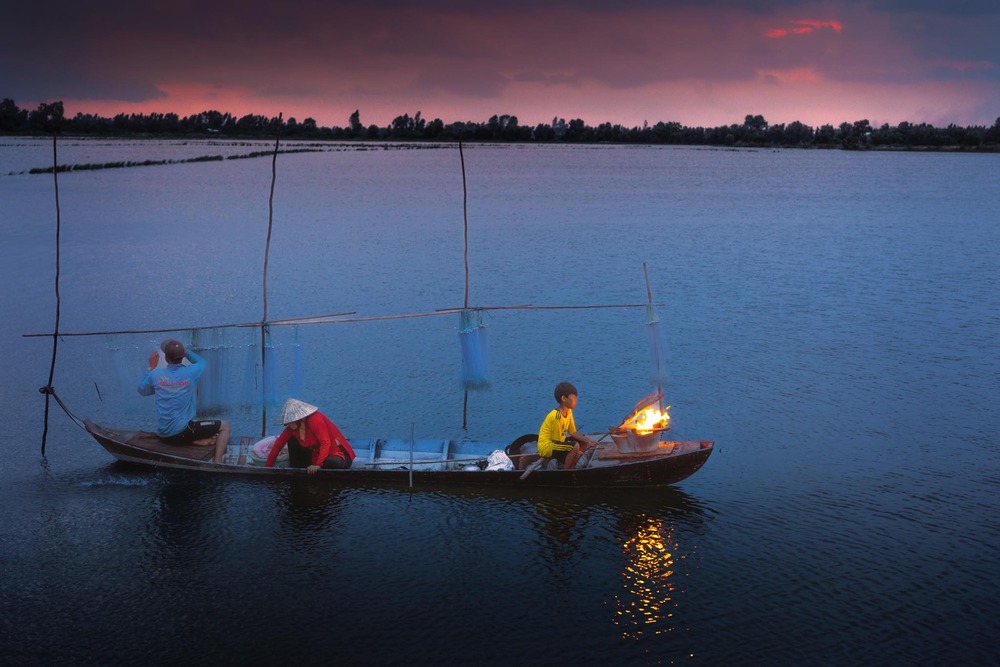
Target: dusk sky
698,62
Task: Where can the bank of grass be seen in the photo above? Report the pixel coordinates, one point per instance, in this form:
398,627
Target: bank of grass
125,164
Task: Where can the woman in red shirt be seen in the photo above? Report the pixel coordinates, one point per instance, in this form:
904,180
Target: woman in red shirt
314,441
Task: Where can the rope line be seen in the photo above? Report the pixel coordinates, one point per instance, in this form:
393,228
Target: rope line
49,390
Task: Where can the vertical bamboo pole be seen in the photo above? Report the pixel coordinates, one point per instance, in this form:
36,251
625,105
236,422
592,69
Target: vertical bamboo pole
465,219
649,300
267,252
47,389
649,292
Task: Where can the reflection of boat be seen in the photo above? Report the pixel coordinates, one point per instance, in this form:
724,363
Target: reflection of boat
429,462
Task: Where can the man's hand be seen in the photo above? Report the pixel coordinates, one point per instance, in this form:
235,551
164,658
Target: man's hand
312,470
154,358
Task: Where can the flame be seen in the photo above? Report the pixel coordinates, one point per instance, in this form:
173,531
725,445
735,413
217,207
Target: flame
647,420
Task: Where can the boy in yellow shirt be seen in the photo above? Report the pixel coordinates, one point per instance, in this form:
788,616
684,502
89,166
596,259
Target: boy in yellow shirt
557,436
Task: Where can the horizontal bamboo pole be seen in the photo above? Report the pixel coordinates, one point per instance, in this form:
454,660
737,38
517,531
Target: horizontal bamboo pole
334,318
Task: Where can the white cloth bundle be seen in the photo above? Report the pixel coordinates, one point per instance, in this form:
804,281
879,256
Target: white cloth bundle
499,460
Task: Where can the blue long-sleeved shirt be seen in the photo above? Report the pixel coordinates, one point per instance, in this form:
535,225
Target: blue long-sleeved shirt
173,392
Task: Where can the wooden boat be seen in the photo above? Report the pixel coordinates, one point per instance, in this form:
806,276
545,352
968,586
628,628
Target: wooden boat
430,463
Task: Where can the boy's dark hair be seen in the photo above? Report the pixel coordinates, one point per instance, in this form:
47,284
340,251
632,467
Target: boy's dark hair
564,389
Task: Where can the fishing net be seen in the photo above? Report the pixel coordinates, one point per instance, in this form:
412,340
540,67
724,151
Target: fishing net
214,394
238,379
475,362
658,351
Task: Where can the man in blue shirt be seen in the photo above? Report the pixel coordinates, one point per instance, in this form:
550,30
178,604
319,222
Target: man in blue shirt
173,391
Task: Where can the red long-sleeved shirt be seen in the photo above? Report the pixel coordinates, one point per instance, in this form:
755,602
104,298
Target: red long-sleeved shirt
322,437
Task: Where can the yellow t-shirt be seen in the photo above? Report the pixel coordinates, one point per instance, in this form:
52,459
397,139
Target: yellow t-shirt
555,427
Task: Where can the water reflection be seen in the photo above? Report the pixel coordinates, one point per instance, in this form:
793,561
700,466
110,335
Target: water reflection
186,524
652,550
558,528
647,601
309,505
654,533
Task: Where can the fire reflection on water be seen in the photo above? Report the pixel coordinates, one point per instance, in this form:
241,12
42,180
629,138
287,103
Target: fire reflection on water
646,605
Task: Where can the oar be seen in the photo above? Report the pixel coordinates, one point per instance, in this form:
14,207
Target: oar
533,466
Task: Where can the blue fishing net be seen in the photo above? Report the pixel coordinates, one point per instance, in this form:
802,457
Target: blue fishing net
475,360
658,351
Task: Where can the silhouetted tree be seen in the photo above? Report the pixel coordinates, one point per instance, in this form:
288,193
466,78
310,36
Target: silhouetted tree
754,131
354,122
47,118
543,132
435,129
755,122
992,136
12,119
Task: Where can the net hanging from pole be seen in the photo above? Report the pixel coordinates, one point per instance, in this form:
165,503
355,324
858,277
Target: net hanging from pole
475,360
658,351
272,369
659,354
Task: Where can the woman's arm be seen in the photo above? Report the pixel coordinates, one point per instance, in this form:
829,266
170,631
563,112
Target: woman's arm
279,442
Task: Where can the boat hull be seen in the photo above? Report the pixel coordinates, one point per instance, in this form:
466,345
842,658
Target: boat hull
434,463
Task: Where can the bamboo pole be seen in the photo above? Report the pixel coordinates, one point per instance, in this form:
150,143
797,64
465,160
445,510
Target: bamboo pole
465,221
649,297
291,321
340,319
47,389
267,252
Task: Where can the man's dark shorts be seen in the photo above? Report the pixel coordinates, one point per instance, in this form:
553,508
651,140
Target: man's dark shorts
197,429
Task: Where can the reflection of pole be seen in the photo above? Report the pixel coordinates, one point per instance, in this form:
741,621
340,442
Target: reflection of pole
411,455
465,220
267,251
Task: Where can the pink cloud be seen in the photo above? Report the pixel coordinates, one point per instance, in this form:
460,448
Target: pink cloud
803,27
797,75
969,65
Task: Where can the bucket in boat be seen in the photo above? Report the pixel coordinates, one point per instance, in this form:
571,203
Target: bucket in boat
259,451
628,441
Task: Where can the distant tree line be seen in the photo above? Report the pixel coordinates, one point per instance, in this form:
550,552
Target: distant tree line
753,131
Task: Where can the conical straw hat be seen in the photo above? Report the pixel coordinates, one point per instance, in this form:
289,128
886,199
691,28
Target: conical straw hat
295,410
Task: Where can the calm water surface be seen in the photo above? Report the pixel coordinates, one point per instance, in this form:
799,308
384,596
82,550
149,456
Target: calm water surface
833,323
